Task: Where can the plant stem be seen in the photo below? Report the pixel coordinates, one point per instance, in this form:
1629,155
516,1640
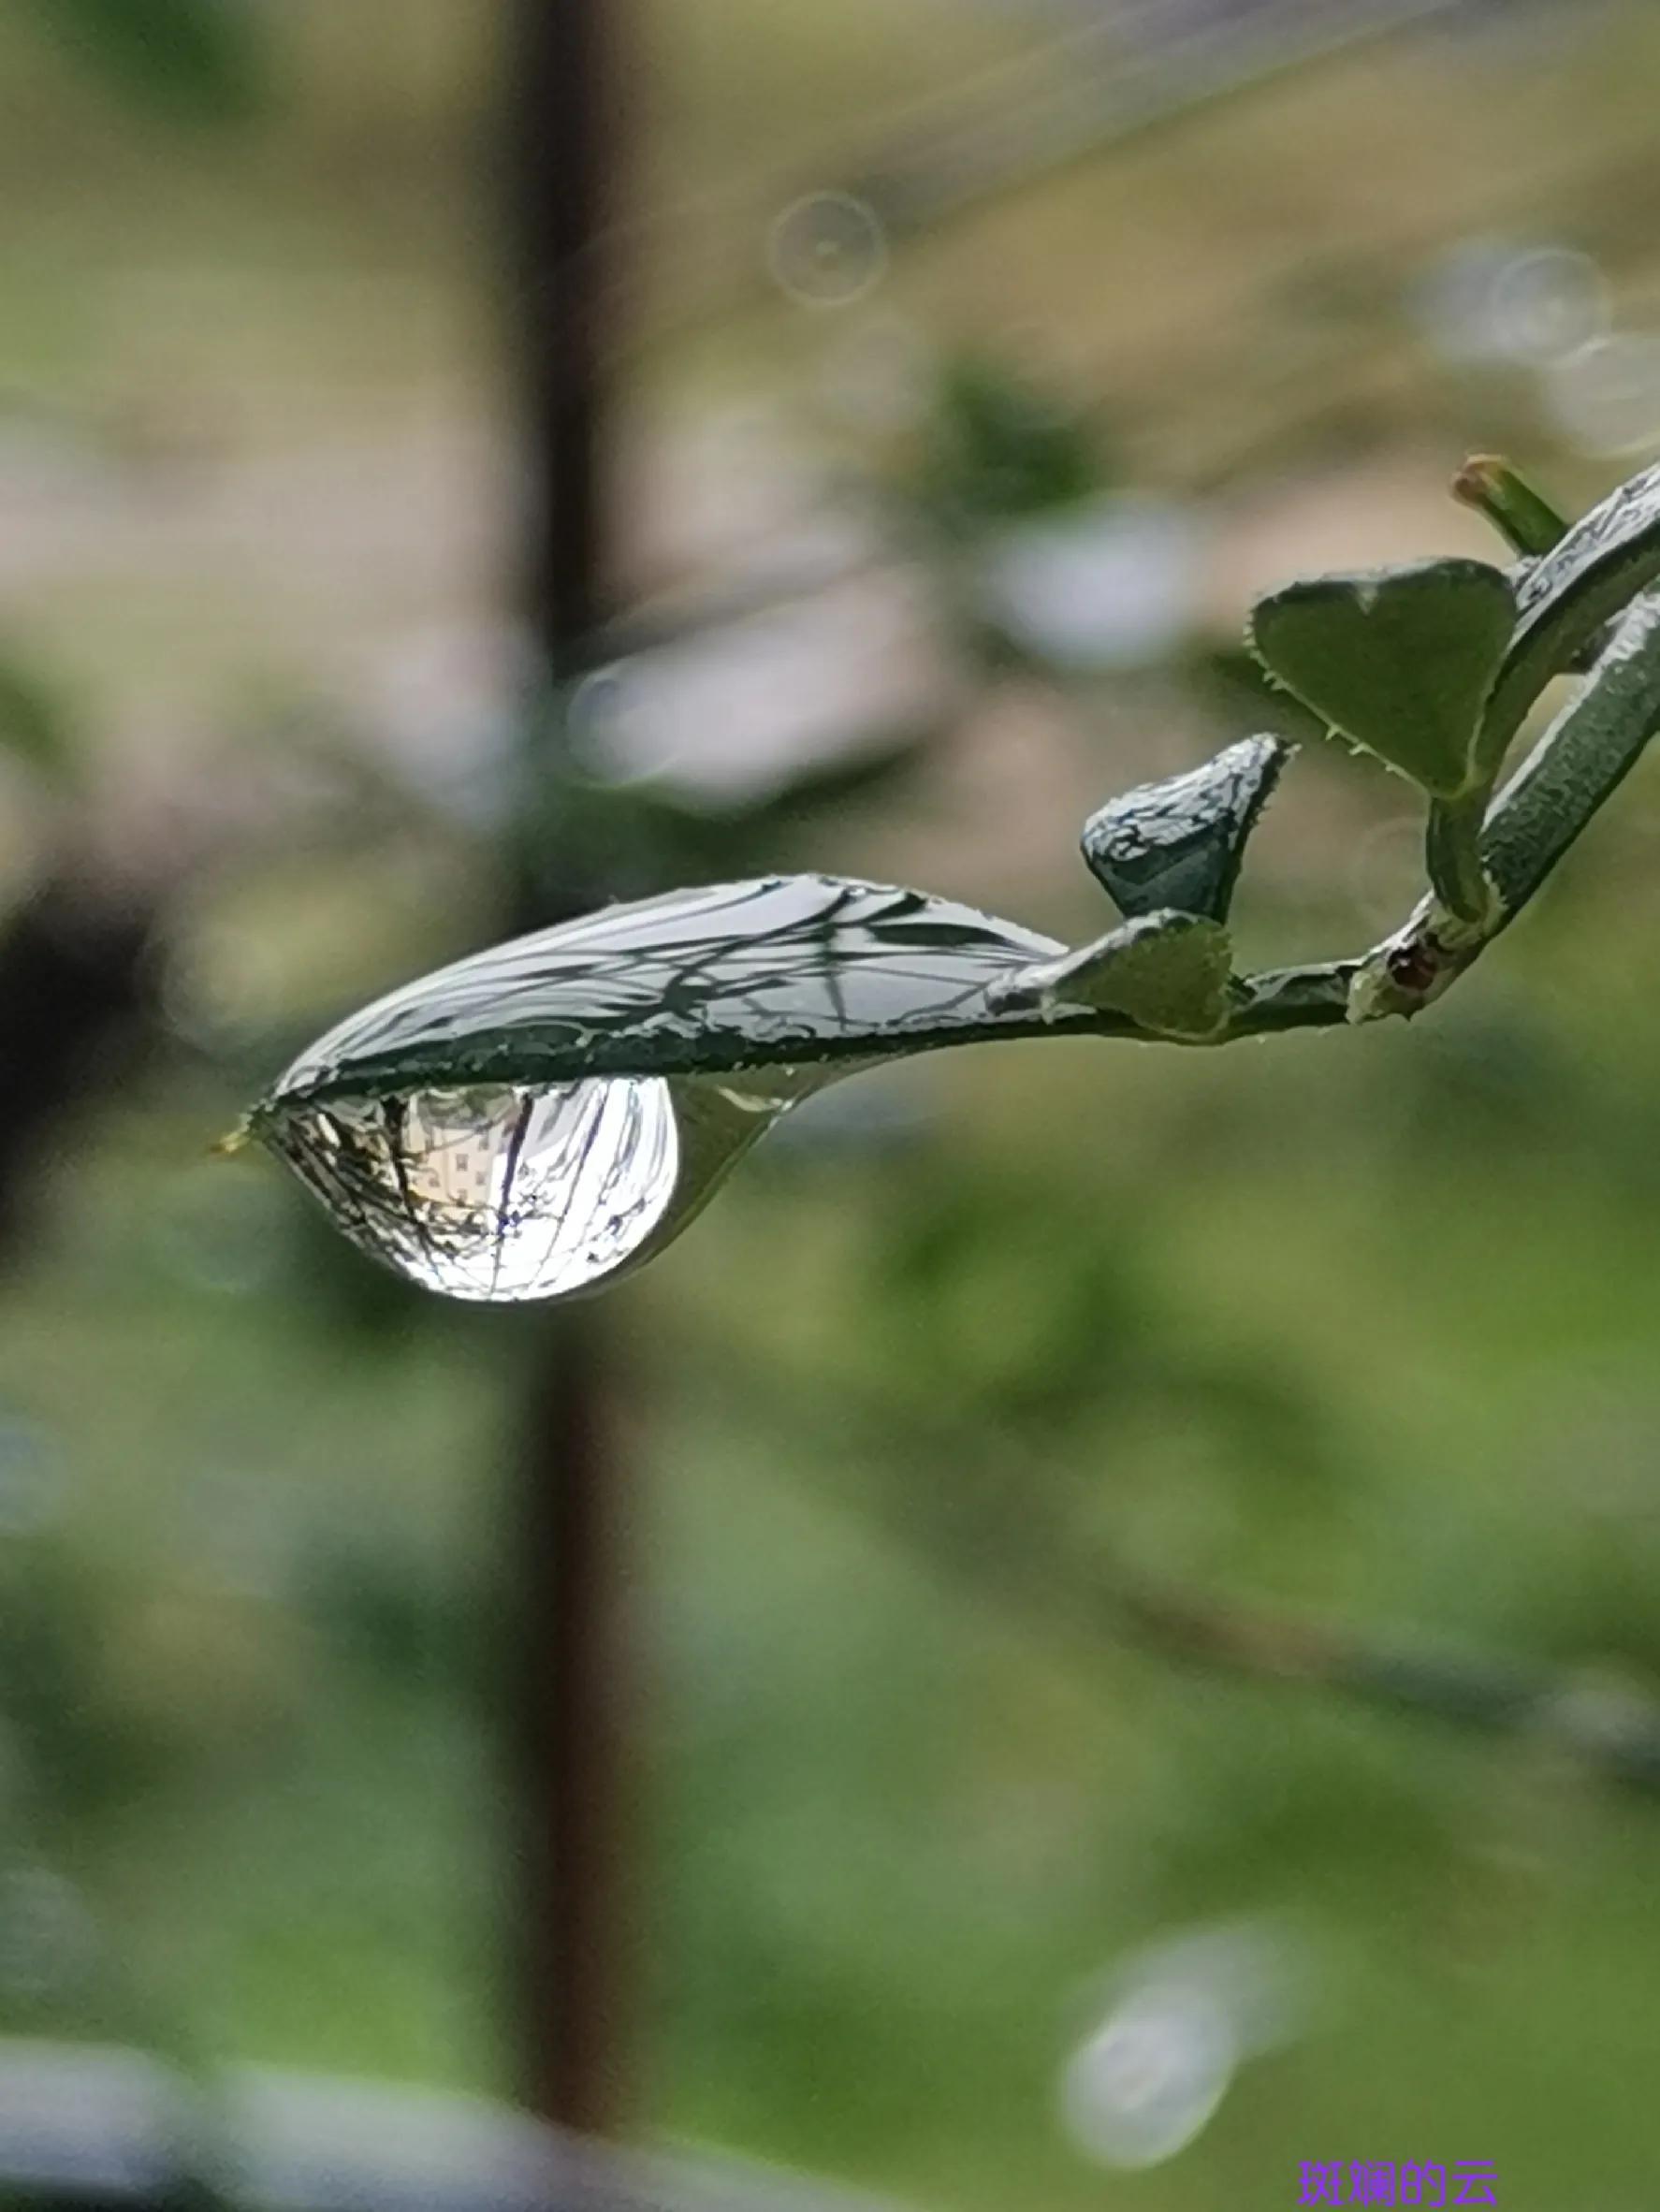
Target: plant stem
1577,765
1037,1572
1615,1734
1526,521
1452,858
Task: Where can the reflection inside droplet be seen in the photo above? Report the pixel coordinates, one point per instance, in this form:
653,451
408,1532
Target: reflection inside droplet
500,1128
495,1192
827,249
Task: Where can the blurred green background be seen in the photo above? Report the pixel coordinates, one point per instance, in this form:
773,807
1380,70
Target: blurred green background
977,363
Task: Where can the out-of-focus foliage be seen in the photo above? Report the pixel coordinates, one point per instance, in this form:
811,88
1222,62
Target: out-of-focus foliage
186,60
995,446
1363,1334
34,722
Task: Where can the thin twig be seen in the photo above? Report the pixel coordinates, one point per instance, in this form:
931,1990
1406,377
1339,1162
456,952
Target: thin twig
1614,1732
1036,1571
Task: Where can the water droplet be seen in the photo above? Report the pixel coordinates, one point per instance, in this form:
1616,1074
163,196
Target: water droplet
500,1194
491,1192
1145,2084
827,250
499,1129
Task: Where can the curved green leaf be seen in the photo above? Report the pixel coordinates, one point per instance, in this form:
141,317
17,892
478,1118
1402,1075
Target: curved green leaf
785,970
1580,761
1400,660
1178,844
1564,598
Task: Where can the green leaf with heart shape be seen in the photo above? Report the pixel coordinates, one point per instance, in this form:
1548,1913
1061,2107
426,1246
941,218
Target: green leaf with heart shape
1399,661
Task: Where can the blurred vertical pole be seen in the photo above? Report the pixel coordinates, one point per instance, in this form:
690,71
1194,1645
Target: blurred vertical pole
564,132
572,1929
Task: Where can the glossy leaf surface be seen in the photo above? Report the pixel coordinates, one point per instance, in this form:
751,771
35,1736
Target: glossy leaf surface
1178,844
1564,598
784,969
547,1114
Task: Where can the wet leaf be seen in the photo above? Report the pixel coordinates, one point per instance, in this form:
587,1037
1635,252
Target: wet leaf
1564,598
783,970
1178,844
547,1115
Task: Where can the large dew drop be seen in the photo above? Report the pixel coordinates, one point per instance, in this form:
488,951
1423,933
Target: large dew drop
493,1192
543,1116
